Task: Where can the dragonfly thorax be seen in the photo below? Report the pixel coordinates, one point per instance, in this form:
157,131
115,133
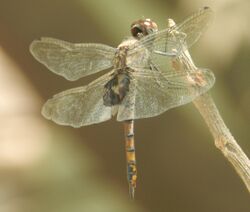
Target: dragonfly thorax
120,59
118,87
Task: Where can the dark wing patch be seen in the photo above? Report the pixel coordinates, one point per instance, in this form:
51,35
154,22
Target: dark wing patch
152,93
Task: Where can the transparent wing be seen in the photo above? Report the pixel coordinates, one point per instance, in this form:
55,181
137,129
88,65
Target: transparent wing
163,42
144,59
195,25
72,61
169,42
79,106
152,93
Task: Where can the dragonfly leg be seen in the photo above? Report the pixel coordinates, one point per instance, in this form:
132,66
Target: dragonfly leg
130,156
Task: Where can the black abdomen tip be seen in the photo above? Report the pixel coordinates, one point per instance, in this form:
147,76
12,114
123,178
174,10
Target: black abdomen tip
206,8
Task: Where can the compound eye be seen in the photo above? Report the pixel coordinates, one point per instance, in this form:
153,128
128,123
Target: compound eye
136,31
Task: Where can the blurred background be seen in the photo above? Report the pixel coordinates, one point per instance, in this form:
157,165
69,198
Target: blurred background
45,167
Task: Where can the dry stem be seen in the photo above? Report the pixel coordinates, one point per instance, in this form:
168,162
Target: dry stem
223,138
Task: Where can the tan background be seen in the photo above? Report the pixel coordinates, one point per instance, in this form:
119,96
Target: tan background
44,167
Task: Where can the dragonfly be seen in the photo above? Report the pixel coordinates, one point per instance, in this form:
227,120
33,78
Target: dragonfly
142,82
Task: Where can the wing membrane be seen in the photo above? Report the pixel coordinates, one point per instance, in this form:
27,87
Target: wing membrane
152,93
72,61
195,25
79,106
169,42
162,41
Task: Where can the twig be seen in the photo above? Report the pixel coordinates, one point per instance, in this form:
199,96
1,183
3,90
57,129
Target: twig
223,138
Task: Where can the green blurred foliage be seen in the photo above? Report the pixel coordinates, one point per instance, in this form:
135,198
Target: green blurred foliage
84,169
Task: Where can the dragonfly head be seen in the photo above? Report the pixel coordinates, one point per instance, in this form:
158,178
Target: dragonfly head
143,27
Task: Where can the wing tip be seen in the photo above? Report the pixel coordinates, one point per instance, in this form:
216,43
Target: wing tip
34,49
38,41
46,110
48,114
209,78
32,46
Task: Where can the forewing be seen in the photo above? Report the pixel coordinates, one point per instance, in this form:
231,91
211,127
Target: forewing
152,93
79,106
169,42
72,61
163,42
195,25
